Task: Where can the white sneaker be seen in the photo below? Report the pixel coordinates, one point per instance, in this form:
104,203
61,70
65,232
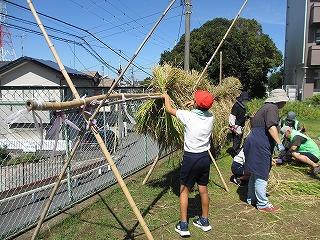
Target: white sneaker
203,225
182,229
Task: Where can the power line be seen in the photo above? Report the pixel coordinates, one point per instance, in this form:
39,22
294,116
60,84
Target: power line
92,52
125,14
58,38
39,33
127,30
137,19
35,24
79,28
180,22
111,14
74,54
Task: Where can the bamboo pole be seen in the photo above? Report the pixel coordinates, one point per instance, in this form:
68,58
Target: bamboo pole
151,170
132,59
54,52
75,103
220,44
94,131
55,188
221,177
220,72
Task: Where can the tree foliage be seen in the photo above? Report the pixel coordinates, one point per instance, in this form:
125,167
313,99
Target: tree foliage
276,79
146,82
248,53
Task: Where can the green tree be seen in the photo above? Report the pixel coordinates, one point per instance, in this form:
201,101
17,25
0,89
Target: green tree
248,53
276,79
146,82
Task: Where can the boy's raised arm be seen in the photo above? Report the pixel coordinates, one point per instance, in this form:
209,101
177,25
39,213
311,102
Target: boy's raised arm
167,104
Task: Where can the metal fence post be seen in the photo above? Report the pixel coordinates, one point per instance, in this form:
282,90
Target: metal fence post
66,137
104,122
146,148
23,175
69,176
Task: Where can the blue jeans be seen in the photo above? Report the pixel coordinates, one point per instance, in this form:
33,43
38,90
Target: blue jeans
257,191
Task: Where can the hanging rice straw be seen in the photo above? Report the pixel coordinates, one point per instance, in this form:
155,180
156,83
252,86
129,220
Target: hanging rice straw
152,118
225,96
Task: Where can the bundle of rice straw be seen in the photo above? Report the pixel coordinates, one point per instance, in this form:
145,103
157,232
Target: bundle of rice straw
152,118
225,96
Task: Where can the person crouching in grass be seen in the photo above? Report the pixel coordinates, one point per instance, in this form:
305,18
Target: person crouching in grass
302,148
195,166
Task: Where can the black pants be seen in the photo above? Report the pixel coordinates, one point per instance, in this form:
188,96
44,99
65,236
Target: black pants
236,142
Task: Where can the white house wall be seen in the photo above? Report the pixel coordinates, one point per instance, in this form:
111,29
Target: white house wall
30,74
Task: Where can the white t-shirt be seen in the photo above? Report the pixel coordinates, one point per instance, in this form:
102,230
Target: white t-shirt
240,158
197,129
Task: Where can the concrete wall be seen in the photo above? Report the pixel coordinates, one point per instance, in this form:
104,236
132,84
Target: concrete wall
294,50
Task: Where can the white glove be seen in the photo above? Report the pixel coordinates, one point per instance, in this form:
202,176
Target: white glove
238,129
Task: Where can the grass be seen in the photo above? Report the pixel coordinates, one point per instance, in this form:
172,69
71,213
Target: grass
290,187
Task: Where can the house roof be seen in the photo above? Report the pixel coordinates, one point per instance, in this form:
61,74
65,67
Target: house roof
4,66
106,82
92,73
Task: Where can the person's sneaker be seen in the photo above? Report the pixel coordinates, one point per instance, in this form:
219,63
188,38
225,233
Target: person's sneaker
269,209
279,161
235,180
202,223
316,170
182,229
252,203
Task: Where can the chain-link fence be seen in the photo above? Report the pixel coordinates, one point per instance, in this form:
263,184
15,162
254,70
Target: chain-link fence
34,146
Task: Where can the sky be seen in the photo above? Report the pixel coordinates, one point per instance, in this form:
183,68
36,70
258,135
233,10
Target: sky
122,25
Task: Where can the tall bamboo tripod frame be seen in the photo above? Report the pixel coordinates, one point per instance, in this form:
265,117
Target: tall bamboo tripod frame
92,127
195,86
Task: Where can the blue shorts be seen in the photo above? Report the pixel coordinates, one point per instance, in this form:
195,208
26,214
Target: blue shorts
195,168
237,169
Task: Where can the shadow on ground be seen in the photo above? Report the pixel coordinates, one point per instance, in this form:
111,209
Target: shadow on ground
242,192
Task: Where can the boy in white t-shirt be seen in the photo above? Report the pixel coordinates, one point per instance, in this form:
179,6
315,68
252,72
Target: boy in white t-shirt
195,166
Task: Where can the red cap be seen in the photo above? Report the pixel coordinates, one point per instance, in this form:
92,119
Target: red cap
203,99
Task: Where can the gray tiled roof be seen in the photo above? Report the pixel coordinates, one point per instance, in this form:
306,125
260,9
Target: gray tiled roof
46,63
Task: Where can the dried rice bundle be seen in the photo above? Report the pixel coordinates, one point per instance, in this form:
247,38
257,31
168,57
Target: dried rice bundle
152,118
229,89
221,110
225,96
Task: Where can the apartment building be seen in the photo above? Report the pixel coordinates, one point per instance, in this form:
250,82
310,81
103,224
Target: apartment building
302,48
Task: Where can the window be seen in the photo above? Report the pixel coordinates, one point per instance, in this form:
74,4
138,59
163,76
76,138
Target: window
317,36
317,79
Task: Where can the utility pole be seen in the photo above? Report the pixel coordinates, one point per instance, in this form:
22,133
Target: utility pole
187,35
132,77
7,52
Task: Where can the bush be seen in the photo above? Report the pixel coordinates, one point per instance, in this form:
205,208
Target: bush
254,105
25,158
314,100
4,155
304,109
